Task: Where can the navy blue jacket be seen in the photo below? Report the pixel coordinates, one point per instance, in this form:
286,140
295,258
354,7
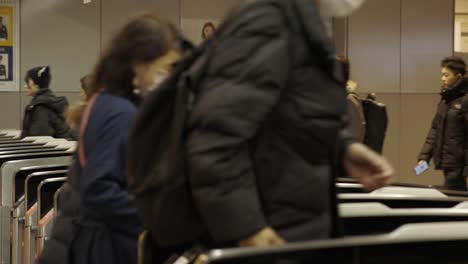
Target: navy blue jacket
107,214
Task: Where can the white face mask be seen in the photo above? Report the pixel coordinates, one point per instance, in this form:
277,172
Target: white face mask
158,79
338,8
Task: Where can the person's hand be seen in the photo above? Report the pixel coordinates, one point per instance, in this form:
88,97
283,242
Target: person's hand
366,166
264,238
421,162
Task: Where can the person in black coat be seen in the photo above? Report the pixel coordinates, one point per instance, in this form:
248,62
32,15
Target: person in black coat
267,134
44,116
446,141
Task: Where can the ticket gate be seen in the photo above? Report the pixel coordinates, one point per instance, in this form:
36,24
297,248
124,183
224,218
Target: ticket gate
18,209
46,210
377,218
413,243
33,187
401,200
9,164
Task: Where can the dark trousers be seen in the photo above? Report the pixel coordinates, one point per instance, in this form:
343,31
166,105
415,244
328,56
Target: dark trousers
454,179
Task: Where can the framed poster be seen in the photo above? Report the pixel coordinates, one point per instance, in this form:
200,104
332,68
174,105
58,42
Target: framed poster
9,45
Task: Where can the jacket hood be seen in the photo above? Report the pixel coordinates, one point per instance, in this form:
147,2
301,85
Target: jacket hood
47,98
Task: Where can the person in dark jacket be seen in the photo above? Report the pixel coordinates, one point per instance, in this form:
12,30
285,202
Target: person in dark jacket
446,141
267,133
44,116
105,224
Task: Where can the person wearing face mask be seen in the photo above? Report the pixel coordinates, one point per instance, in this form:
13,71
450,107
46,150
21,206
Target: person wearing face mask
266,135
96,222
446,140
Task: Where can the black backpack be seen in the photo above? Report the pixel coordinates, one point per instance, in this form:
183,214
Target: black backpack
376,123
156,157
157,172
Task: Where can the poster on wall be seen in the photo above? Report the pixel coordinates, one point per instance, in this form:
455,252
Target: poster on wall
9,46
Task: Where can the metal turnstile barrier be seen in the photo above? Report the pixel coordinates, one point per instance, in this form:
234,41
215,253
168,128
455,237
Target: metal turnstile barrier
18,209
414,243
32,214
46,210
8,166
377,218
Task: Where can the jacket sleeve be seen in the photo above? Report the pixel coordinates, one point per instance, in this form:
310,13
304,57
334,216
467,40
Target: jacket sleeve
101,183
244,80
426,152
39,123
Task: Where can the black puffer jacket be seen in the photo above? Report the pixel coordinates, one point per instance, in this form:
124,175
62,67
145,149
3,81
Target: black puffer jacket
268,126
447,138
44,116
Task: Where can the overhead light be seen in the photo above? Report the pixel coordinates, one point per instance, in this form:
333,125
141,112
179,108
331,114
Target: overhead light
86,1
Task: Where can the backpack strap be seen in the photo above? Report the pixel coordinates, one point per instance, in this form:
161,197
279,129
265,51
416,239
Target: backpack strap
84,124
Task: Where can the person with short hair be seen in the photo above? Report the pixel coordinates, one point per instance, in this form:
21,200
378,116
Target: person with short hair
445,142
45,115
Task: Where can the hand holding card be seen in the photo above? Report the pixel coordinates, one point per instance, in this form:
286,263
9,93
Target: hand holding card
422,167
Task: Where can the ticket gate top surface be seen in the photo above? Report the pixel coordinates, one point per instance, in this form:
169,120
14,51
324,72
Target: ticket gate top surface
408,234
10,165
